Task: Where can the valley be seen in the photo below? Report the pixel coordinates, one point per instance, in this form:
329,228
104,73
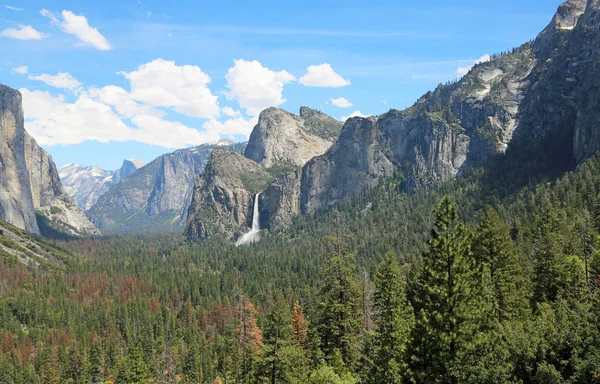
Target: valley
454,241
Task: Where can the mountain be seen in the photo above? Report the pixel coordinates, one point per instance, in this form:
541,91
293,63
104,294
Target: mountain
85,184
223,195
156,196
16,201
534,107
281,138
31,194
280,143
127,169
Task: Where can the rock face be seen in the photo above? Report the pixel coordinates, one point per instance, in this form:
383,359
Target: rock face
156,197
223,195
127,169
534,105
16,202
30,185
280,144
85,184
281,138
54,206
536,101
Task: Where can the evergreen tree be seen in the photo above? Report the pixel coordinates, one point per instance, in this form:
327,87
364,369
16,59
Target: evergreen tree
548,254
445,300
394,321
277,334
299,327
250,341
497,258
339,309
134,369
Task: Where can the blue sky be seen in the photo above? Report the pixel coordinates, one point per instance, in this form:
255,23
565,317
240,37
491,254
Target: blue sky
108,80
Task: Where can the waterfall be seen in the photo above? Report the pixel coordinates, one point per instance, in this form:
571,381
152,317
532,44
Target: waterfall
256,215
254,234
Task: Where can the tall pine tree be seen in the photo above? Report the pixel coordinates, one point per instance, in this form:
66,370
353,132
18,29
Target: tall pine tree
340,317
445,300
394,320
497,257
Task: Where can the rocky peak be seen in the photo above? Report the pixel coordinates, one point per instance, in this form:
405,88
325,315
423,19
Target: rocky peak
568,14
31,194
223,195
566,19
284,139
127,169
85,184
16,201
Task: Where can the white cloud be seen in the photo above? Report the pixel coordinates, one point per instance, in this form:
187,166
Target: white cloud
21,70
232,127
13,8
322,76
353,114
52,120
461,71
341,102
78,26
61,80
161,83
123,103
228,111
25,32
256,87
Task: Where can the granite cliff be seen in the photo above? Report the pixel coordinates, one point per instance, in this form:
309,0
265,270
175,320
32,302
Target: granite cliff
155,197
31,194
533,105
280,144
85,184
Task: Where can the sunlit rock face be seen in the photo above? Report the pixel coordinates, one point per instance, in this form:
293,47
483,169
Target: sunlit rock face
30,187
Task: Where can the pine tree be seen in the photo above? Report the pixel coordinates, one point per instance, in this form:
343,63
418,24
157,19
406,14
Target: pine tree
339,316
250,342
134,369
548,255
284,360
299,327
394,321
497,257
277,334
444,300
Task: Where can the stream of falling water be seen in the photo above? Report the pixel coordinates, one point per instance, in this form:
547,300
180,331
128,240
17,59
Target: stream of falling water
254,234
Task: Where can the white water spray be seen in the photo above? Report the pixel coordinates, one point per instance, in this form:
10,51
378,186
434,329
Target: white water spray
254,234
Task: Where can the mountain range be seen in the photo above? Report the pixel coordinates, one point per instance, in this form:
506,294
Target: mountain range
532,107
85,184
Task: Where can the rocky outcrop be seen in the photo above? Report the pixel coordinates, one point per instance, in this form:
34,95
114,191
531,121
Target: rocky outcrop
156,197
280,144
281,138
536,105
127,169
536,101
279,204
224,195
31,194
16,202
59,213
85,184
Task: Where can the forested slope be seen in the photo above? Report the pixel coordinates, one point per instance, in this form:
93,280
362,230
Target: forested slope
160,310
